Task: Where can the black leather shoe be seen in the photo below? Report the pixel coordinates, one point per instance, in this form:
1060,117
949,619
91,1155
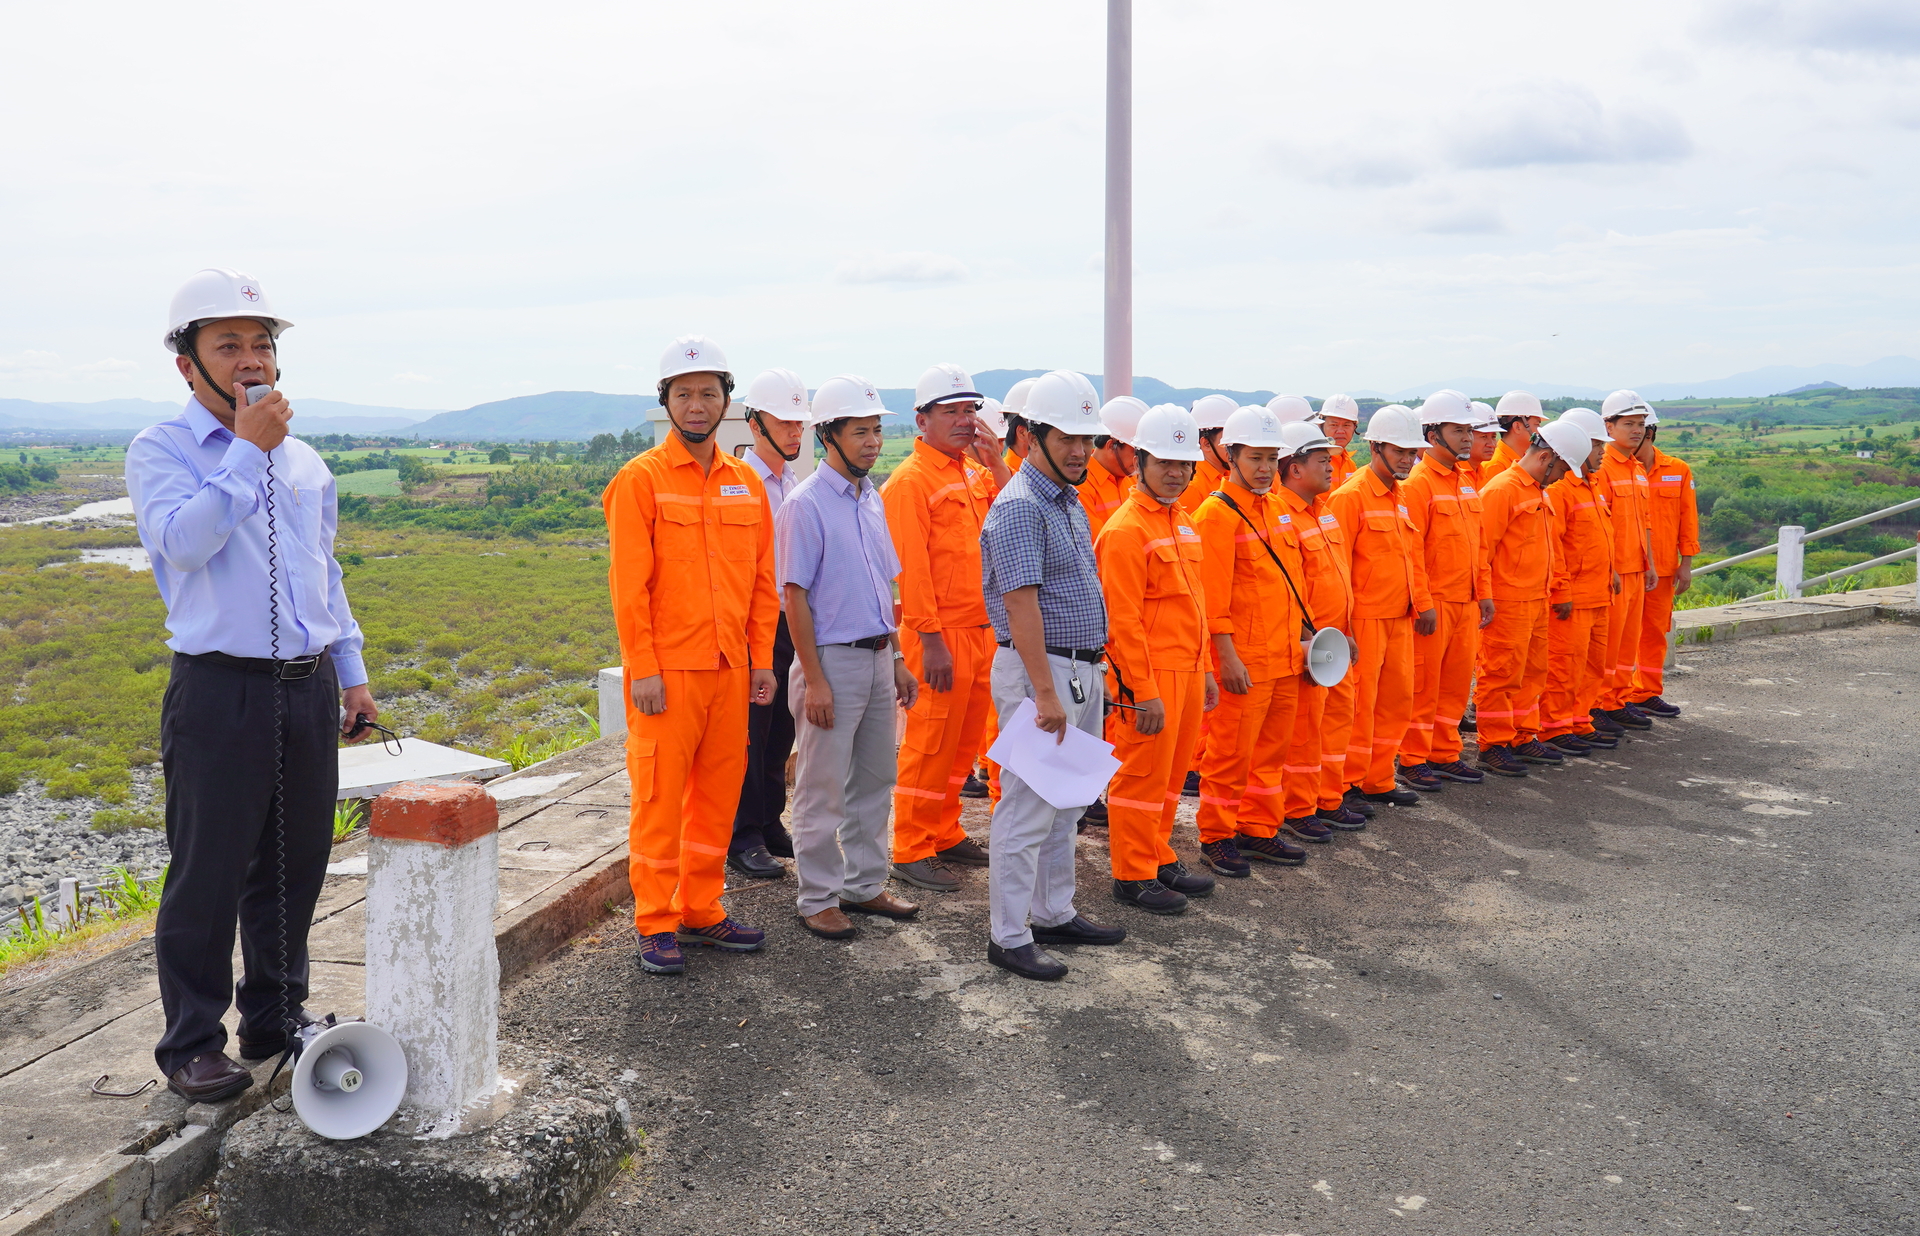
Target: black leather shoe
1029,961
267,1044
973,787
1079,930
780,846
1393,798
209,1078
756,864
1150,895
1095,814
1192,883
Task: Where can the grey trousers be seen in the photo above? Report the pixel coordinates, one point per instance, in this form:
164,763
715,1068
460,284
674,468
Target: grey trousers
843,779
1030,880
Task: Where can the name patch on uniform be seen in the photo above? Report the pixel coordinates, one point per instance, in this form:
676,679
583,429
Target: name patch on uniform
1403,510
734,491
1329,519
1468,490
1183,531
1286,519
1670,478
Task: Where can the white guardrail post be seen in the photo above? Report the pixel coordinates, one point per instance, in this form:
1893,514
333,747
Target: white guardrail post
613,701
1791,563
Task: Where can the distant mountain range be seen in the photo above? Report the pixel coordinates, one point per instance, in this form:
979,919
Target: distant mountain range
578,415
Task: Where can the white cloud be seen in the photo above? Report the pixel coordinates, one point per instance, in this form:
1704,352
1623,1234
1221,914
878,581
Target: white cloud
901,268
44,367
1873,27
1560,122
412,377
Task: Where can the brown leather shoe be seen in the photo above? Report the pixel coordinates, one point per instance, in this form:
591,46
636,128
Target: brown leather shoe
209,1078
885,905
830,924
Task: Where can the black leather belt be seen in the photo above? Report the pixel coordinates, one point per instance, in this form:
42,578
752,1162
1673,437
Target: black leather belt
1092,656
292,670
872,643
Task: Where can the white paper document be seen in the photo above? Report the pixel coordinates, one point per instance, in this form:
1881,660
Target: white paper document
1070,773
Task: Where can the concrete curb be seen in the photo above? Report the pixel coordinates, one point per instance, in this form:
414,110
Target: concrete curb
1749,619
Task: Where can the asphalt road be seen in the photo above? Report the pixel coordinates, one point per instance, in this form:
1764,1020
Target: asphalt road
1672,990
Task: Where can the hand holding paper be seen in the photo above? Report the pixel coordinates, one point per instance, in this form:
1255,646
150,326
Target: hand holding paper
1069,773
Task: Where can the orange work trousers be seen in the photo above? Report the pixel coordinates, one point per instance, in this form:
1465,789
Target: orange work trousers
686,766
1442,676
941,740
1382,700
1336,731
1242,783
1513,672
1300,770
1656,619
1142,796
1623,635
1576,662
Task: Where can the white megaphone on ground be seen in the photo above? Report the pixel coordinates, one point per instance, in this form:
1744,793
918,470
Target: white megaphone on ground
1328,656
348,1078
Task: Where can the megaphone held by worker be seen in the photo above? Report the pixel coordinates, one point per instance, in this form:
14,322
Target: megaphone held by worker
348,1078
1328,656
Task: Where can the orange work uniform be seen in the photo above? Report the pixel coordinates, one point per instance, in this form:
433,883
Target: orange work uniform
1437,501
1625,482
1582,535
1513,660
672,528
934,507
1315,752
1242,781
1381,552
1207,477
1343,467
1149,559
1673,520
1503,458
1102,493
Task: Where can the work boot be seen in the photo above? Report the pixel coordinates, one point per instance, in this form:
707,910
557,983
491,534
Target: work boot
1393,798
1224,858
927,873
1533,751
1420,777
1594,738
1342,819
1309,828
1190,883
1150,895
974,787
1454,770
660,954
1276,850
1353,800
1191,787
1658,707
1567,744
726,934
1627,719
1502,762
1604,724
967,852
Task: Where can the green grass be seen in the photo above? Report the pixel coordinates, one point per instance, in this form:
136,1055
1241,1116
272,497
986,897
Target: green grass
348,815
38,931
381,483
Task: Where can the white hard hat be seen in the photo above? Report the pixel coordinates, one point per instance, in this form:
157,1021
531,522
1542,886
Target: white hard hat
1299,437
1290,408
1588,420
1346,407
989,415
217,293
1254,426
1169,431
1065,400
1212,411
1623,403
1518,403
1447,408
944,383
692,354
1569,441
779,393
1121,417
846,395
1396,425
1484,419
1653,418
1016,402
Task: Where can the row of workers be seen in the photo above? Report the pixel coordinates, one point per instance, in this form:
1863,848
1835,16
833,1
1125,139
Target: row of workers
1153,574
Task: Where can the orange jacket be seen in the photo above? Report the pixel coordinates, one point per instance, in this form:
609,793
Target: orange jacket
1503,458
1381,550
1247,597
672,529
1472,482
934,507
1149,559
1674,515
1012,460
1582,544
1437,503
1626,484
1516,517
1206,479
1343,467
1102,493
1328,590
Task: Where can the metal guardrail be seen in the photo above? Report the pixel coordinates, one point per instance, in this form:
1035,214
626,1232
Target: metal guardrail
1791,558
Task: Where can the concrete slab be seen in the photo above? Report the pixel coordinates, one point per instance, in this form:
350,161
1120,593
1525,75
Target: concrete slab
370,769
1747,619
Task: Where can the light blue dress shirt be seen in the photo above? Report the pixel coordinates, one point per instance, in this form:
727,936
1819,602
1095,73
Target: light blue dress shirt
778,487
199,498
831,539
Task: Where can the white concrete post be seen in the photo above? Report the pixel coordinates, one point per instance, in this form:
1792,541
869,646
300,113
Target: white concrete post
433,975
67,910
1791,562
613,701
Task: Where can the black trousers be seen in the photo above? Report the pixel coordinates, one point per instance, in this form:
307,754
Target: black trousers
763,795
230,862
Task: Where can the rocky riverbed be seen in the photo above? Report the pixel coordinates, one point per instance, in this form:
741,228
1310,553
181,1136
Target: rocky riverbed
74,492
43,840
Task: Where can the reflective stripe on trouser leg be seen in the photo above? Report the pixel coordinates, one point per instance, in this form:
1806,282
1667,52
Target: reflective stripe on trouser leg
1266,786
1656,619
1383,700
842,780
1336,731
1442,668
1576,659
1233,727
1030,880
939,746
1501,705
685,766
1301,773
1143,795
1623,636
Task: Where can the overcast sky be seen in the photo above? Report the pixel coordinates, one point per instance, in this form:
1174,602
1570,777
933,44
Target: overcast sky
457,203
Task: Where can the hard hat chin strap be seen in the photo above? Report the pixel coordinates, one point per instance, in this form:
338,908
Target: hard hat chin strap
832,439
191,341
687,435
1040,440
754,415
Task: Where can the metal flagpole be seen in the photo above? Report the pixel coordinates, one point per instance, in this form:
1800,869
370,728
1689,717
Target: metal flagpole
1118,359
